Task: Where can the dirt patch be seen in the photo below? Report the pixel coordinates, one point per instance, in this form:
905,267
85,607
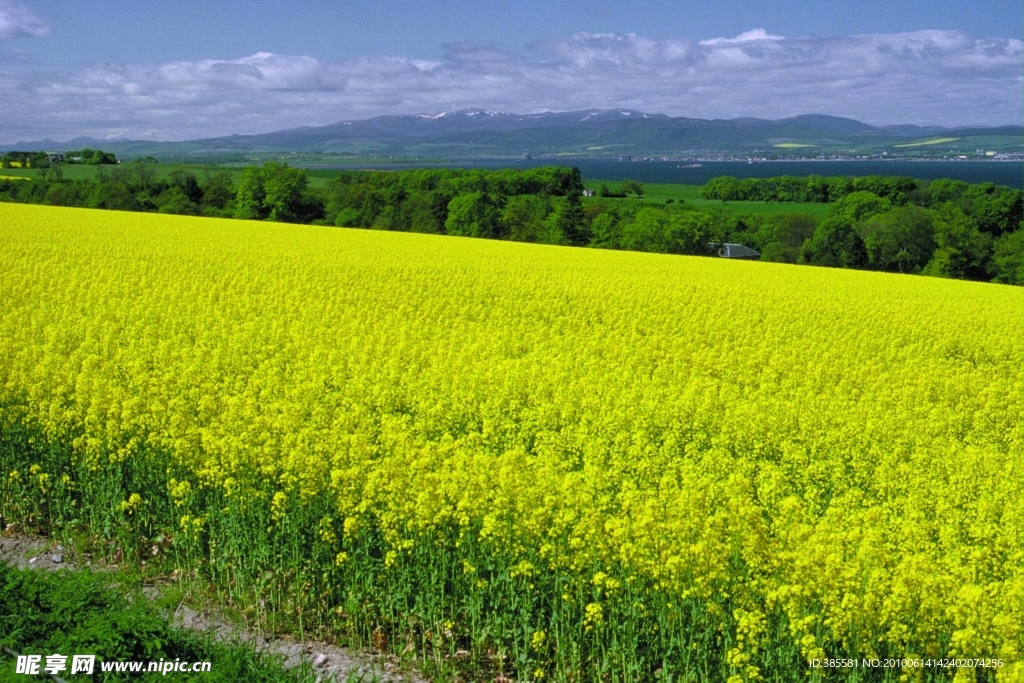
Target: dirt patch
28,552
330,662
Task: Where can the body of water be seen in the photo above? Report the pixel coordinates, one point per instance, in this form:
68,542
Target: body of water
998,172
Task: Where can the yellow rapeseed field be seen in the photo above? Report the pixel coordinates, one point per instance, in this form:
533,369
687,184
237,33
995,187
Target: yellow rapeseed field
570,463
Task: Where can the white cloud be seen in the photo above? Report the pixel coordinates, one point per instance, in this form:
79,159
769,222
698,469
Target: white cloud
924,77
18,21
745,37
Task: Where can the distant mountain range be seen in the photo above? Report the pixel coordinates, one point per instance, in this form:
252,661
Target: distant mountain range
598,133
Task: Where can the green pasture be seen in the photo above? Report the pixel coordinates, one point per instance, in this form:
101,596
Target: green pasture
84,172
71,172
659,193
88,172
921,143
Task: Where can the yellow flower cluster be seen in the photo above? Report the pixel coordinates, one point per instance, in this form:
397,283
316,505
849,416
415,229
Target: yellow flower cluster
840,448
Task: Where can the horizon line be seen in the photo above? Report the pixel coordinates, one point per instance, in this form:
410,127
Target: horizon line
438,114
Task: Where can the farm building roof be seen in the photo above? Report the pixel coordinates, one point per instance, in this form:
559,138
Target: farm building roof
728,250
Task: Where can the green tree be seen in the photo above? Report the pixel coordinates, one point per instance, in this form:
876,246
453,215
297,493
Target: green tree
859,206
776,252
394,214
997,209
139,178
347,217
646,231
944,190
835,243
899,240
175,201
633,186
419,210
474,214
894,188
439,208
524,217
658,231
68,194
94,157
725,188
787,234
606,231
961,250
838,187
793,229
218,194
284,188
250,200
275,192
570,219
689,232
1007,265
112,195
39,160
187,183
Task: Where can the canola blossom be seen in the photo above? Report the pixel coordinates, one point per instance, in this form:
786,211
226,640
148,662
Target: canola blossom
599,465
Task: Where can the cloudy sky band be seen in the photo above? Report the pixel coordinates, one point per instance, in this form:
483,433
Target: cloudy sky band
926,77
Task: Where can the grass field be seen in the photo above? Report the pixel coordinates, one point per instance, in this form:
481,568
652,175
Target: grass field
86,172
923,143
89,172
541,462
659,192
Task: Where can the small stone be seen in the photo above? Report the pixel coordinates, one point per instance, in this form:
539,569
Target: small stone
57,559
320,660
33,560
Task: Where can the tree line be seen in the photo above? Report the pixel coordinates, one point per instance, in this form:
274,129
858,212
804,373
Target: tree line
92,157
944,228
812,188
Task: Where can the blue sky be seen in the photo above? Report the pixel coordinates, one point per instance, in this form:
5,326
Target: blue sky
185,69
